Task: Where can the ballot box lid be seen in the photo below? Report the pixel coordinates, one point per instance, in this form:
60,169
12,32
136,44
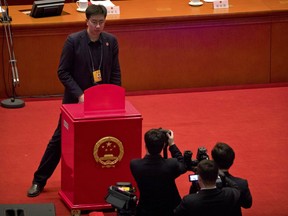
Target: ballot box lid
101,101
104,97
76,112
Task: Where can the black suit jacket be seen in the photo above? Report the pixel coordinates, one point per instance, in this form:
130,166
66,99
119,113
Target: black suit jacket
209,202
155,177
246,197
75,67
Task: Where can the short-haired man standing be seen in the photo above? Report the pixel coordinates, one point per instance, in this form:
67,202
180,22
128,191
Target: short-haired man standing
209,200
224,157
89,57
155,175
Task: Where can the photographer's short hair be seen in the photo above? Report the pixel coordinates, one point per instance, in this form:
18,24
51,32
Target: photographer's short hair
223,155
154,140
93,10
208,171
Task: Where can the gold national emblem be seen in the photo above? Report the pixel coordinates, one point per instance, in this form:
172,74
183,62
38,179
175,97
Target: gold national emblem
108,151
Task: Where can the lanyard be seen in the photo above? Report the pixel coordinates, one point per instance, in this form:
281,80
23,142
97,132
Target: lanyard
101,57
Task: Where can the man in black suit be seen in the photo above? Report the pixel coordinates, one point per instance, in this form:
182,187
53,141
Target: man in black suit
209,200
89,57
155,175
224,157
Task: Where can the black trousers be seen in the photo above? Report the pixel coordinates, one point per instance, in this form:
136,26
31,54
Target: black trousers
50,158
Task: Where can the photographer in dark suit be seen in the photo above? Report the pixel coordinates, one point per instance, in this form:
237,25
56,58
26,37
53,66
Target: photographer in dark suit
89,58
224,156
209,200
155,175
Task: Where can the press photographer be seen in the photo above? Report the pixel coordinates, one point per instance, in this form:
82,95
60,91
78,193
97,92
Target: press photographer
155,174
191,164
224,156
209,200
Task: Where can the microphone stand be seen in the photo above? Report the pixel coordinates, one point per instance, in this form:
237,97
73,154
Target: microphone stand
6,21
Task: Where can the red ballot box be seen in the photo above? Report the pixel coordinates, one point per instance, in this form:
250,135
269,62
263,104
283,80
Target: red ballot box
99,138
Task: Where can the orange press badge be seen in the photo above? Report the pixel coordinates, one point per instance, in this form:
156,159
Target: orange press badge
97,76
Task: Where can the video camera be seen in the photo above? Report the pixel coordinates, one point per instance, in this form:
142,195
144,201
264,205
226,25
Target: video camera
192,164
122,197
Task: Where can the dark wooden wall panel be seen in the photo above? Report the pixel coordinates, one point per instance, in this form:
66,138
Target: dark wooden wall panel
167,45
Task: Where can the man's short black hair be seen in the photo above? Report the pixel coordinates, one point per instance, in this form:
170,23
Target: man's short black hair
93,10
223,155
154,140
208,171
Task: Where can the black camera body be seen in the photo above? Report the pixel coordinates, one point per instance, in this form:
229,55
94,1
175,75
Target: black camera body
122,197
192,164
165,131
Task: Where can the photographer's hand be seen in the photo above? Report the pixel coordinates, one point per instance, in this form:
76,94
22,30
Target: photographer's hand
227,181
170,136
221,173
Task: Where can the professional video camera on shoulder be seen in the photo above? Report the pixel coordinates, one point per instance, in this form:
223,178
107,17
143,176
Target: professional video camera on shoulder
122,197
192,164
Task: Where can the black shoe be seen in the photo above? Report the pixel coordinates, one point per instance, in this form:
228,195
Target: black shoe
34,190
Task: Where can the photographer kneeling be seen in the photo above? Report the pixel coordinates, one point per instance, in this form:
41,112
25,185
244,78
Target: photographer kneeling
155,175
209,200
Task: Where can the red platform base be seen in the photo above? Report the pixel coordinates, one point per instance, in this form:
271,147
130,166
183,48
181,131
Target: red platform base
83,207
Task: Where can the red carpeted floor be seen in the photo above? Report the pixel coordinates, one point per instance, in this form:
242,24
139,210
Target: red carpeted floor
253,121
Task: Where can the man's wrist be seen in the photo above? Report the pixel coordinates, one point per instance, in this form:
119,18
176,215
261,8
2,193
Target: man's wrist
81,98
